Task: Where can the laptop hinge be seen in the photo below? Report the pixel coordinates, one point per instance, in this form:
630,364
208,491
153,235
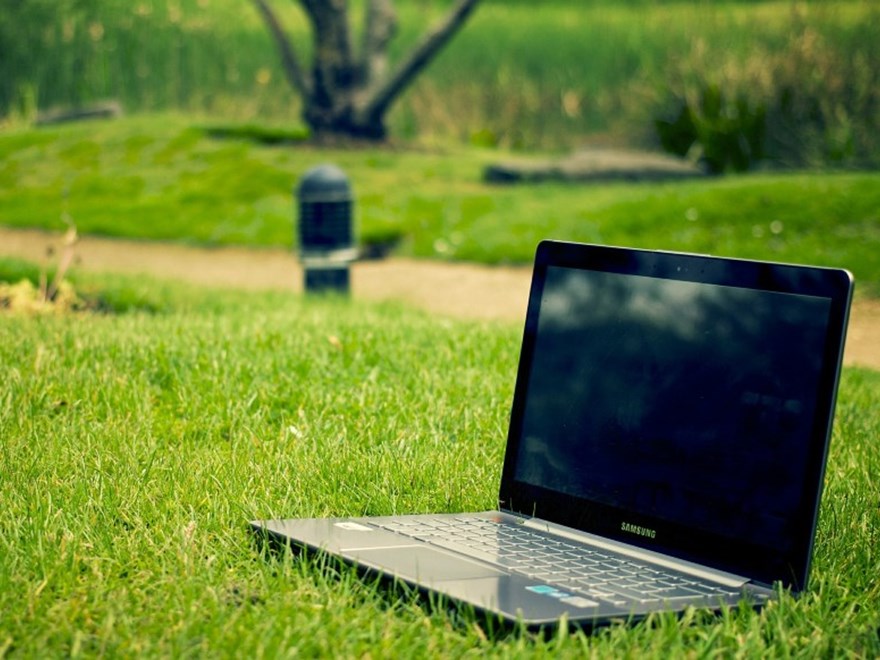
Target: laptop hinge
691,568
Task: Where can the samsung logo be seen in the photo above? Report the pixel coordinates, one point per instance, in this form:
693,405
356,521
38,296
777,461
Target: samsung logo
641,531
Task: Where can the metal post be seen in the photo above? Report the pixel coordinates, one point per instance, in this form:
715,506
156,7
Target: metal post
326,233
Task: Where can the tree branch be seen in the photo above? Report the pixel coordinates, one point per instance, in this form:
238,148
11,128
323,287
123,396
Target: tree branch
289,61
381,26
430,45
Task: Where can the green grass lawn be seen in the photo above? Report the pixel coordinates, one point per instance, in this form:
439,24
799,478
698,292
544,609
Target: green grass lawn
135,446
164,178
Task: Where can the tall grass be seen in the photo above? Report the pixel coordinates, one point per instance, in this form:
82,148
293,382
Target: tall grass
811,99
197,55
519,75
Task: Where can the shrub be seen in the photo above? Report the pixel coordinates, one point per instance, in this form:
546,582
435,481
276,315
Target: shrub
813,102
726,134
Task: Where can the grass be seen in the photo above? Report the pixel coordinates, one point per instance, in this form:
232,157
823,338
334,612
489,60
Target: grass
164,178
134,447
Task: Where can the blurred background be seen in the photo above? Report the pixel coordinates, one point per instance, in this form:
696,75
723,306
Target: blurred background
775,83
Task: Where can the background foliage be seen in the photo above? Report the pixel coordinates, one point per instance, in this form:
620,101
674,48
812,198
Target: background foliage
811,67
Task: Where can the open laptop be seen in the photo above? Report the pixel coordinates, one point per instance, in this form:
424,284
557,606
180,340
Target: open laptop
667,445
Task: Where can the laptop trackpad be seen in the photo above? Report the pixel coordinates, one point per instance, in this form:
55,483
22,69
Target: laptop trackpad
422,564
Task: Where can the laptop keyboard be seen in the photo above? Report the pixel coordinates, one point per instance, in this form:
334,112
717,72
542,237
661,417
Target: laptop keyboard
600,574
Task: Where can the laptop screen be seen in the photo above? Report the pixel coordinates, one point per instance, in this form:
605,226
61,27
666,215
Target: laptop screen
676,402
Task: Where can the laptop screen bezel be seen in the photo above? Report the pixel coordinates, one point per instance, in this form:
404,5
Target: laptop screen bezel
760,563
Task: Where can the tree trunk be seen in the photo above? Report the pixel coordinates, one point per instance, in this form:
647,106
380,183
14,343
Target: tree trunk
349,95
330,105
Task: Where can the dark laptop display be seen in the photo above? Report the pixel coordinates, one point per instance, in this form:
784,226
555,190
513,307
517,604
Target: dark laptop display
680,401
667,445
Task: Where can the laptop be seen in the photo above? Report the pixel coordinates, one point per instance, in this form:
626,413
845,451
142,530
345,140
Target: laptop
666,447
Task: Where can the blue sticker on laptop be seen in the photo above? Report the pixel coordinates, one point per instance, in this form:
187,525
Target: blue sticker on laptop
545,589
567,598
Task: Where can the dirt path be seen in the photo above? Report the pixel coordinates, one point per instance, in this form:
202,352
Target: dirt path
459,290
